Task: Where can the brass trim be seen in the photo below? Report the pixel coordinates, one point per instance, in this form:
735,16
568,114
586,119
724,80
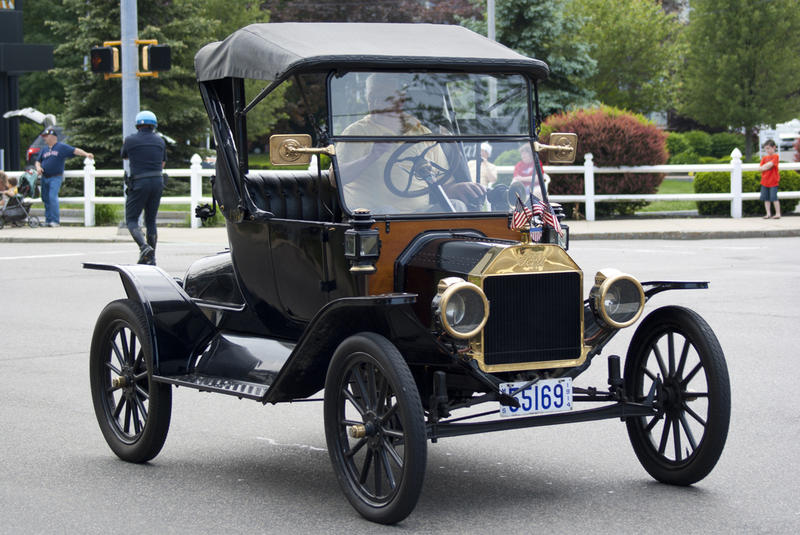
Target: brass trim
522,259
357,431
603,280
562,147
294,149
446,291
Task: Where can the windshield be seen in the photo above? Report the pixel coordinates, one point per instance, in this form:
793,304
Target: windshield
429,142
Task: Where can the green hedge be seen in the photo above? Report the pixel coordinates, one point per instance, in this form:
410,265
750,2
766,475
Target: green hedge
689,147
720,182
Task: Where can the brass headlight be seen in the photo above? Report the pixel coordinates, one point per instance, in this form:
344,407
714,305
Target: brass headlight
617,299
460,307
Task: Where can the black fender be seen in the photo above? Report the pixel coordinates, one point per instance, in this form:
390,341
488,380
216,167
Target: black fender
597,335
390,315
179,328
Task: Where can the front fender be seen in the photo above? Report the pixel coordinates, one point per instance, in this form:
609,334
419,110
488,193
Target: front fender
180,331
390,315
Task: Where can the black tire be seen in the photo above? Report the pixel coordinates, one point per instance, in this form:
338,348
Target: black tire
370,388
132,410
33,221
680,444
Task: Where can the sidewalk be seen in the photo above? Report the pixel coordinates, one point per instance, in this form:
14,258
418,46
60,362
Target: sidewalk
668,228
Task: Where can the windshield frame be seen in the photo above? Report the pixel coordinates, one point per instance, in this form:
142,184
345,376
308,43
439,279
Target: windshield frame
527,135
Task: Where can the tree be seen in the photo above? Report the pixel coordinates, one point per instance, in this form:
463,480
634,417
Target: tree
638,49
437,11
544,30
743,69
92,108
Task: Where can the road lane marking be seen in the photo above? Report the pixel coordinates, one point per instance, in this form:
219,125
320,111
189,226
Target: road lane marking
59,255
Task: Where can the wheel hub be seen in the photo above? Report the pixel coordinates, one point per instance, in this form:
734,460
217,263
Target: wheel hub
125,381
370,428
672,393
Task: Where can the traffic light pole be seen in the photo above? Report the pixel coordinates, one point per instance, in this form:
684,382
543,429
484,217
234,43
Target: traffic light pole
130,65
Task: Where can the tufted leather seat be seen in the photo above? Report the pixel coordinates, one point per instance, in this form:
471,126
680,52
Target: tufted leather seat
302,195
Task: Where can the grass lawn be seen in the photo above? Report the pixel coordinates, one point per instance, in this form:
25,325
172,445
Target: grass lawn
672,186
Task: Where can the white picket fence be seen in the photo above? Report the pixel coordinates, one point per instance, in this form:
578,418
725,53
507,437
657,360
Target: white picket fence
196,173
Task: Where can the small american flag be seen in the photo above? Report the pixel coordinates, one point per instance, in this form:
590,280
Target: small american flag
521,217
545,211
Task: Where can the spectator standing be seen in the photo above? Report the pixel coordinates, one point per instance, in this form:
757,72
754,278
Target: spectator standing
488,169
50,167
147,154
770,178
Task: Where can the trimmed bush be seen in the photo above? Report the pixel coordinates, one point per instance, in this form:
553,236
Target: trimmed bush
711,159
107,215
676,143
720,182
509,157
615,138
685,157
723,143
699,141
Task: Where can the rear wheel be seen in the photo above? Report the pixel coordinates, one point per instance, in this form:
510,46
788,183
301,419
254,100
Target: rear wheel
375,428
132,410
677,350
33,221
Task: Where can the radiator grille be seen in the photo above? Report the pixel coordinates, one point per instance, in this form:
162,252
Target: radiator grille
533,318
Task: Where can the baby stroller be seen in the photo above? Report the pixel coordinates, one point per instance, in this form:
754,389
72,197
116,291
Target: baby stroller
17,208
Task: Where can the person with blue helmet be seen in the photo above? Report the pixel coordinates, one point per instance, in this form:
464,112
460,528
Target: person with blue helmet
147,155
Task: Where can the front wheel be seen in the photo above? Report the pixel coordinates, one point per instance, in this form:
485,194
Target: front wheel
676,350
375,428
133,411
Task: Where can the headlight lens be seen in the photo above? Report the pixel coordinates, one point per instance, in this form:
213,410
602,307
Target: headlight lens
616,298
460,307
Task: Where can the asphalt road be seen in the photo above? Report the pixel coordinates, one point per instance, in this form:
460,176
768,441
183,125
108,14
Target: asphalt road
239,467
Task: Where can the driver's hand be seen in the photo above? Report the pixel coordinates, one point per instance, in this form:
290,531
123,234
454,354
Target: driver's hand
470,193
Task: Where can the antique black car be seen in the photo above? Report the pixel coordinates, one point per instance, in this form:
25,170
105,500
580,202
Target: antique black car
393,276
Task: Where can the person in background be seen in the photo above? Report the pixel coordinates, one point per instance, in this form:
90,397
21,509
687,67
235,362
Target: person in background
488,169
523,172
147,154
50,167
770,178
8,188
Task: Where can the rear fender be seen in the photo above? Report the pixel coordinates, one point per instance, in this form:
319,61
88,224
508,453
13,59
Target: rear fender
179,329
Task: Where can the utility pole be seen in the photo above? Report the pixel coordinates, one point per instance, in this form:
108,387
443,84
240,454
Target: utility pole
129,29
490,19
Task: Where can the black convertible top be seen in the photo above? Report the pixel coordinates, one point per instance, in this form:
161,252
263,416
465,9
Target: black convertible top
273,51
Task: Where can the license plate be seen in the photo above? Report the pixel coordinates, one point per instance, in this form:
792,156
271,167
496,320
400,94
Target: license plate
547,395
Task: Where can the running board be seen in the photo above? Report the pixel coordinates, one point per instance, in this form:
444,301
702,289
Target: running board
221,385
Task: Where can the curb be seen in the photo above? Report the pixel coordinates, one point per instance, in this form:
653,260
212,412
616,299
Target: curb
682,235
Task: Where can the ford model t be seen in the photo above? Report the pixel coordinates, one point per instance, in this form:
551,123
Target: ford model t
396,274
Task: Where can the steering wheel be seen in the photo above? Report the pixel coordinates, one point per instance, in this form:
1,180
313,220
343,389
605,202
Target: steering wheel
414,168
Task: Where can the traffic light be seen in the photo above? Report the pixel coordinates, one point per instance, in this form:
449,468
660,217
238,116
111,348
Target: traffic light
156,58
105,59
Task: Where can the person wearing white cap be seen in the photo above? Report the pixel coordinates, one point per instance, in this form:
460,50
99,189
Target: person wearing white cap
488,169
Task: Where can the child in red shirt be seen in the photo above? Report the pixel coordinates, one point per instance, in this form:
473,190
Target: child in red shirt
770,177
